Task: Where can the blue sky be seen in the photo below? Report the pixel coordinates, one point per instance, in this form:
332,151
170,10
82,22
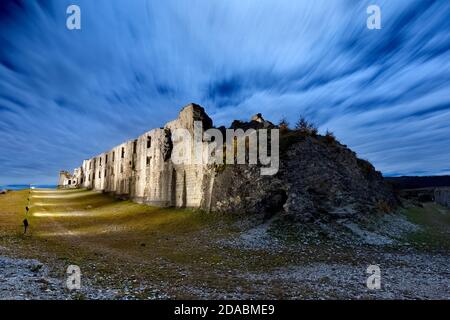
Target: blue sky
68,95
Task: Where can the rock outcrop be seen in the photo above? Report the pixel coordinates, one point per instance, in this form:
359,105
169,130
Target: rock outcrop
318,178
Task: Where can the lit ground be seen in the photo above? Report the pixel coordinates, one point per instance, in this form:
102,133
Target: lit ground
127,251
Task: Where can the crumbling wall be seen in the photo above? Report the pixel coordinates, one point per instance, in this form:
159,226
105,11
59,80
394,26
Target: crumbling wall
65,180
63,177
142,170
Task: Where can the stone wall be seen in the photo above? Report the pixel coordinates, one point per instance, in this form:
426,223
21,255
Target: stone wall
64,178
142,170
442,196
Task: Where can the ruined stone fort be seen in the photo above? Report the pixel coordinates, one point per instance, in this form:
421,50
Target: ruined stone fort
144,169
141,169
314,175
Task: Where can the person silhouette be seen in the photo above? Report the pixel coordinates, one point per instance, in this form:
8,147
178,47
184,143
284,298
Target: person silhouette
25,225
26,208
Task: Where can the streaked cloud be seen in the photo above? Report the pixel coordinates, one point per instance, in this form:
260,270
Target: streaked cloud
68,95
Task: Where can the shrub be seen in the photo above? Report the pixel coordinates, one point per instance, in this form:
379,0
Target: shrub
329,137
283,125
305,127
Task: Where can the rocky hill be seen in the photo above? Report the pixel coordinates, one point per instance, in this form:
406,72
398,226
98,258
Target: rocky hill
319,178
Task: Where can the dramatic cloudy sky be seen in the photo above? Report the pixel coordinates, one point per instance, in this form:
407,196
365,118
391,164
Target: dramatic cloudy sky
68,95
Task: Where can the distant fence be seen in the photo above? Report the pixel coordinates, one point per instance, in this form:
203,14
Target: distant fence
442,196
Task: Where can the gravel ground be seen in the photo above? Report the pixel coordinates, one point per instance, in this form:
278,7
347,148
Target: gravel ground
406,273
28,279
403,276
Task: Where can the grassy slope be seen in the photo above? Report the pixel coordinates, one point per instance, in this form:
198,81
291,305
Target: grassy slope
171,249
435,226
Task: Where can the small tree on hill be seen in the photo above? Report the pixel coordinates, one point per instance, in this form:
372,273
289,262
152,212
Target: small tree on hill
305,127
302,124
